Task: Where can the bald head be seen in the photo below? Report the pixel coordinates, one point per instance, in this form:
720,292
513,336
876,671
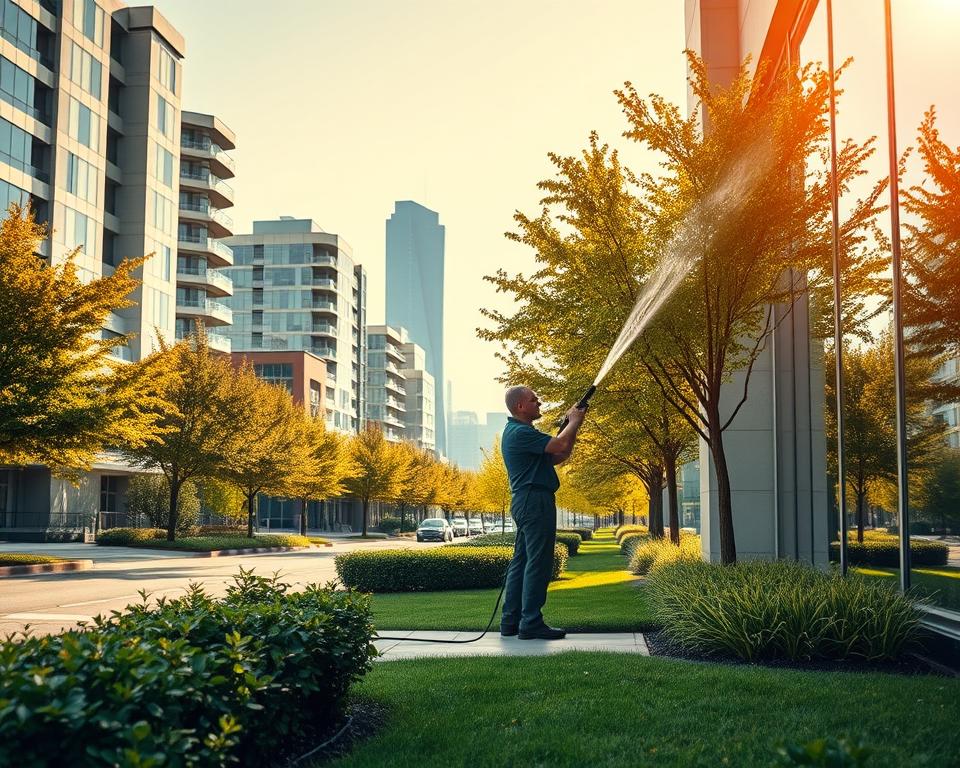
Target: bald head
514,398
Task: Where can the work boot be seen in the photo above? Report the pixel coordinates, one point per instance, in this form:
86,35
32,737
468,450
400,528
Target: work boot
508,631
543,633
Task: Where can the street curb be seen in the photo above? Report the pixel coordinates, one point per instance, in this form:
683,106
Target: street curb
26,570
226,552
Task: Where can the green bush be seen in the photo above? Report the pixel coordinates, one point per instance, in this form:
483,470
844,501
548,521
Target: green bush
222,530
630,541
457,566
28,558
389,524
188,682
624,530
764,610
585,533
570,540
652,553
129,537
148,501
884,550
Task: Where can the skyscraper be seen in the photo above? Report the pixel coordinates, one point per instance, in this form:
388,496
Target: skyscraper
414,291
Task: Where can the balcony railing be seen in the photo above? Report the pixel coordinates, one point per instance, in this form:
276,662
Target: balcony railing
207,306
324,351
213,150
204,207
321,304
325,283
327,328
219,341
207,244
209,180
209,276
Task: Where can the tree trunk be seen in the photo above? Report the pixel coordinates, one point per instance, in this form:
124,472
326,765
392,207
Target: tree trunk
303,516
670,464
861,503
403,514
251,497
656,503
175,484
366,511
728,544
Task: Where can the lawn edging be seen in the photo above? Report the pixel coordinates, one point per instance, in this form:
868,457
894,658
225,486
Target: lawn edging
61,567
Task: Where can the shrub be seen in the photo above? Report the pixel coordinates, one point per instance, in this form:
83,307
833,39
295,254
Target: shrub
884,550
763,610
630,541
623,530
570,540
222,530
458,566
190,682
389,524
585,533
28,558
655,552
148,500
129,537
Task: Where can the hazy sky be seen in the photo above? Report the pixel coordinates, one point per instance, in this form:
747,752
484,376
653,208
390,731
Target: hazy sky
341,108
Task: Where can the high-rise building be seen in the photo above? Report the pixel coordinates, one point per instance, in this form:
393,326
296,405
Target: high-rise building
400,391
414,290
470,438
204,164
296,287
90,136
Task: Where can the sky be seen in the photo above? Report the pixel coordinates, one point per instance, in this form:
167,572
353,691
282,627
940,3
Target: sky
342,108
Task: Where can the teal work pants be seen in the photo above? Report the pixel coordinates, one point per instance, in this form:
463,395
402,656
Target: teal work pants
534,512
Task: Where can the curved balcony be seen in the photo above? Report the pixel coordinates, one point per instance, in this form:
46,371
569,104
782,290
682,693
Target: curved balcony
212,313
321,305
216,253
219,192
324,284
394,387
218,224
204,149
214,283
325,329
324,351
395,353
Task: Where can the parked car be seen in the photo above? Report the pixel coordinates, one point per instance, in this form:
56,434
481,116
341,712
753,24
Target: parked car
434,529
498,526
459,526
476,526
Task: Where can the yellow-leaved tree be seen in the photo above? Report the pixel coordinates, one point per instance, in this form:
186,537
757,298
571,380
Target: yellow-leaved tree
493,483
377,468
321,466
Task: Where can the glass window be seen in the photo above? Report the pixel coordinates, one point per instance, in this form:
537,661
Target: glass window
84,125
88,17
80,231
20,28
85,71
165,117
82,178
162,212
163,171
167,70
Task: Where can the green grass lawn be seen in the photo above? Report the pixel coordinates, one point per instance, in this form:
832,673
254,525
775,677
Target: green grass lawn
941,583
596,594
581,709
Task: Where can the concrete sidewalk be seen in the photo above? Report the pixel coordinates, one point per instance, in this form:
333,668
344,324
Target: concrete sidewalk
492,644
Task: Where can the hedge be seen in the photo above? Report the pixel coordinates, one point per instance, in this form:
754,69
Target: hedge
571,541
884,550
156,538
769,610
631,541
28,558
129,537
458,566
586,534
248,679
624,530
652,553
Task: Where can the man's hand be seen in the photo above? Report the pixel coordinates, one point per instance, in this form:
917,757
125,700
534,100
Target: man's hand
576,415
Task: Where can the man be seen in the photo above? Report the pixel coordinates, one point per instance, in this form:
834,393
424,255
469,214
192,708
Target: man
530,457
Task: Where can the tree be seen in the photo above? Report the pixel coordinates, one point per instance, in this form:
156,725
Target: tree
870,443
222,499
455,491
268,443
418,486
932,247
322,467
493,483
198,414
148,498
938,495
63,399
376,469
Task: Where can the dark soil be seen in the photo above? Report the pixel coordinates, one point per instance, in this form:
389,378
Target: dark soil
366,718
660,645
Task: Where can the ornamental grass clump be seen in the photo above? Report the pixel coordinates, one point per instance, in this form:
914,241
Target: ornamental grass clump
624,530
883,550
250,680
649,553
780,610
455,566
629,543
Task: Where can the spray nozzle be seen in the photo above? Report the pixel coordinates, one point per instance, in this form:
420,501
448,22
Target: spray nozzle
582,403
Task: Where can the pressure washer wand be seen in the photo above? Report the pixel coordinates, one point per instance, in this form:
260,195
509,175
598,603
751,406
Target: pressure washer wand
582,404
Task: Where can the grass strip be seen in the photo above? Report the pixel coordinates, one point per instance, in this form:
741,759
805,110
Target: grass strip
598,709
595,594
28,558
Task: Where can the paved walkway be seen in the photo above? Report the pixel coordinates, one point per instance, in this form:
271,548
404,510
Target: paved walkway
492,644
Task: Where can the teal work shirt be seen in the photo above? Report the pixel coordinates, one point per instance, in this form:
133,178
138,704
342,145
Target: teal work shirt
528,465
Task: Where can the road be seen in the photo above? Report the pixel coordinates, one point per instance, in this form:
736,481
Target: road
53,602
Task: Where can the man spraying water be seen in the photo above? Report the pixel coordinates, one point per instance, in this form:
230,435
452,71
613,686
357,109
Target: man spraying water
530,456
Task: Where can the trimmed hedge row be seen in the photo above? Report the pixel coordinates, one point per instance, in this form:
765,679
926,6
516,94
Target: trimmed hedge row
459,566
769,610
571,541
630,541
561,554
624,530
129,537
884,550
28,558
652,553
156,538
586,534
189,682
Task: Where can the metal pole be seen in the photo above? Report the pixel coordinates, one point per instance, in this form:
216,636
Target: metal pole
837,309
903,510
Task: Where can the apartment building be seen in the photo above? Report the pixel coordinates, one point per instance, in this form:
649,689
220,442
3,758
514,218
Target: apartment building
297,288
400,390
202,223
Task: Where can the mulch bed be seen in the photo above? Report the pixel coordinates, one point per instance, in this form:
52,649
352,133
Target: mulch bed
660,645
367,718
